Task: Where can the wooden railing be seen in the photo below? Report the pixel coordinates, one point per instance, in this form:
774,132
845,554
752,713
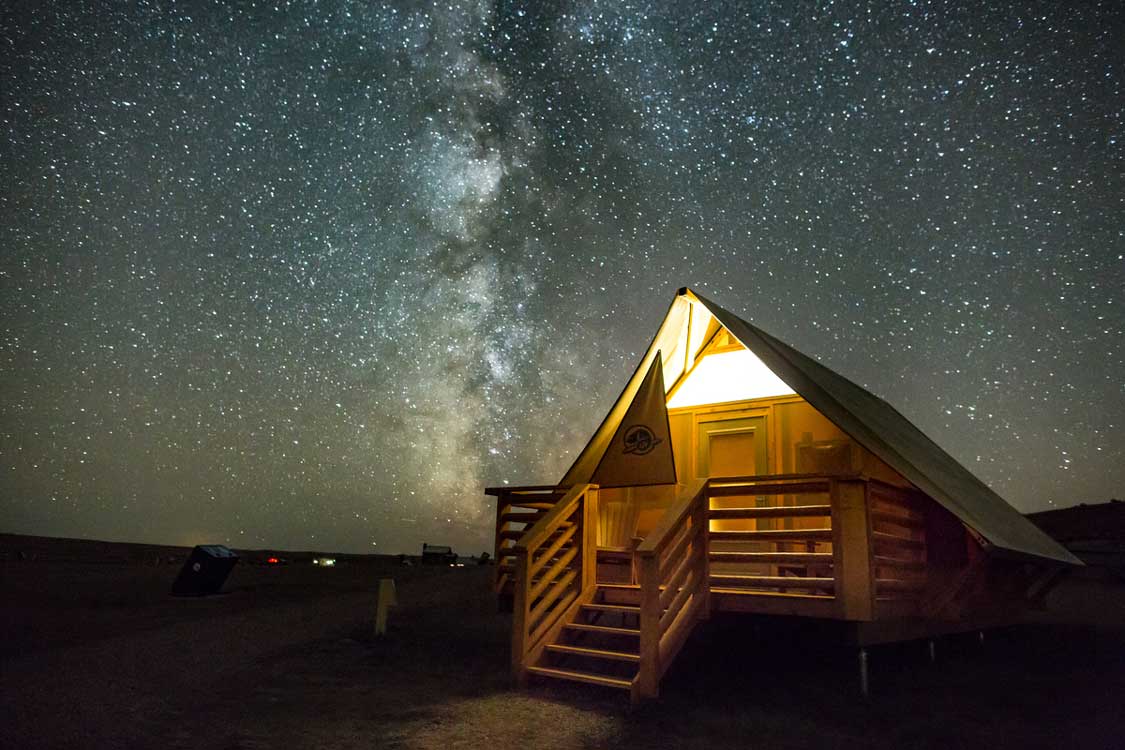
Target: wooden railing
554,573
517,510
773,534
673,576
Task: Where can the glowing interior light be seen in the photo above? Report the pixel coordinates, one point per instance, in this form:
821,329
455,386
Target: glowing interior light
728,376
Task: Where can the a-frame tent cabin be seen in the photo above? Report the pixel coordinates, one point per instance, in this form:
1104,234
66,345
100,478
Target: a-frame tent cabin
736,474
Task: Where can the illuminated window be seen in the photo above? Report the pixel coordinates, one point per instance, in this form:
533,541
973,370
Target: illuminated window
735,375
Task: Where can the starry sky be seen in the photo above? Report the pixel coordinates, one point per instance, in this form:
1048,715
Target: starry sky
311,275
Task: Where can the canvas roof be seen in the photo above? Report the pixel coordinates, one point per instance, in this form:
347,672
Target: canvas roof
866,418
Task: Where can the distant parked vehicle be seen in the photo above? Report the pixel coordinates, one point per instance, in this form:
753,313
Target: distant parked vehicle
436,554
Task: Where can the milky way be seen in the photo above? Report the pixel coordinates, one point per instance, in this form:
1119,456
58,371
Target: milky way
312,275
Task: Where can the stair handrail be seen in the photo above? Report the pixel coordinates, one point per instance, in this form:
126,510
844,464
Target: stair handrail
539,610
674,579
535,500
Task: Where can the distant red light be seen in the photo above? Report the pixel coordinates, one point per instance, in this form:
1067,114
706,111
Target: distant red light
273,561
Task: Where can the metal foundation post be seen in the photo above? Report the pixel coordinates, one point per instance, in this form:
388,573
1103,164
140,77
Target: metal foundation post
863,687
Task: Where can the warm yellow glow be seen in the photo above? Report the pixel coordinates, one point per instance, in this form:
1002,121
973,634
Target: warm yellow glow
728,376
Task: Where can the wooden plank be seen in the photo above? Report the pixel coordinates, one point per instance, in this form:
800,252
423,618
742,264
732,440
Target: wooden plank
701,525
538,637
671,558
534,505
589,541
763,603
793,558
780,511
648,674
964,582
881,490
719,481
562,510
882,516
898,584
535,488
672,582
521,602
660,536
882,561
774,535
781,582
557,589
881,537
576,676
678,632
524,518
594,653
604,629
550,633
551,551
727,489
855,589
897,511
677,601
625,609
552,573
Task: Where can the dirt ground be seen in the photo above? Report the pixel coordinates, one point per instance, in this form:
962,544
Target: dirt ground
101,656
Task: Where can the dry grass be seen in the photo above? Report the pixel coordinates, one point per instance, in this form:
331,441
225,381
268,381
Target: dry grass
100,656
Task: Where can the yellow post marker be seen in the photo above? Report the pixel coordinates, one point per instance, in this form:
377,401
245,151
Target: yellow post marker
385,601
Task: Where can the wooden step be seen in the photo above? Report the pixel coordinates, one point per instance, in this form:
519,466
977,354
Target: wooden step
621,608
619,586
596,653
605,629
576,676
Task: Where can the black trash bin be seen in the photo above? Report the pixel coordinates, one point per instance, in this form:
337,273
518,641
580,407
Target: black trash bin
206,569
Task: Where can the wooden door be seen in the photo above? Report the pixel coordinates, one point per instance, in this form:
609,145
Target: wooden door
733,446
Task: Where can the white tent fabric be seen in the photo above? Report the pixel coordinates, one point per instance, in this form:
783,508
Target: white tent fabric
870,421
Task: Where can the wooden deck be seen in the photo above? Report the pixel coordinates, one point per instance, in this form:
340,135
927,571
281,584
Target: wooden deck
833,547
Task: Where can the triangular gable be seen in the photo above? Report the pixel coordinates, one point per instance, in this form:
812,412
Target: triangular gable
640,452
869,420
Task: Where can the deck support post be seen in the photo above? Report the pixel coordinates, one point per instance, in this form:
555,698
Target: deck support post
521,594
863,686
853,557
701,519
648,673
933,651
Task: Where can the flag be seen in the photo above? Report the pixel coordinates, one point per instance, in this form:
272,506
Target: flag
641,450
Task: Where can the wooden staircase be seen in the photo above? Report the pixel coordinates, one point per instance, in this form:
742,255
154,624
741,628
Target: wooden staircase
600,646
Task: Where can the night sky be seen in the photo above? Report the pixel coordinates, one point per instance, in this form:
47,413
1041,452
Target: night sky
311,275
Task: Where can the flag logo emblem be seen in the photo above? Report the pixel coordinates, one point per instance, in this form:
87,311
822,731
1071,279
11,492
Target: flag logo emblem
639,440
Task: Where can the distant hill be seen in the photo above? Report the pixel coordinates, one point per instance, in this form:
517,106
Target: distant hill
1095,533
1083,522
